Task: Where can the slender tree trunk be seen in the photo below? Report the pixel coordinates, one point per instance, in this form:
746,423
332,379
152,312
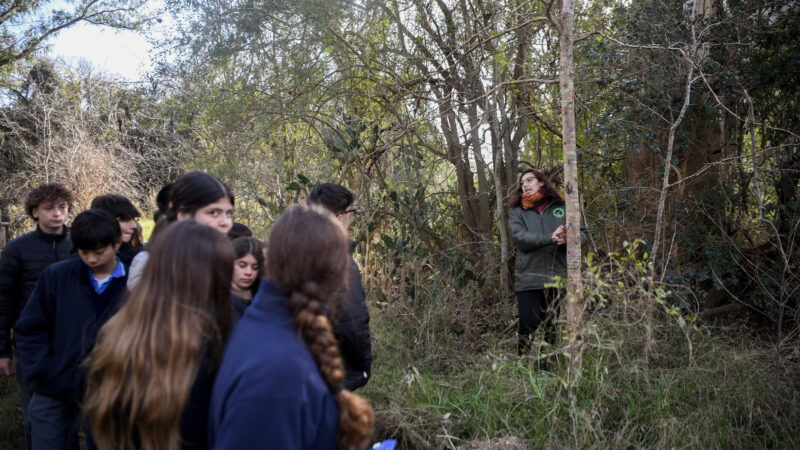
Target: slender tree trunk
459,157
694,56
3,228
500,194
574,300
662,198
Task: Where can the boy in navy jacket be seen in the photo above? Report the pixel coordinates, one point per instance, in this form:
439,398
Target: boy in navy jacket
59,324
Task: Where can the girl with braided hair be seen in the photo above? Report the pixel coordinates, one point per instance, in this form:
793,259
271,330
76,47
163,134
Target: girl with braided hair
280,382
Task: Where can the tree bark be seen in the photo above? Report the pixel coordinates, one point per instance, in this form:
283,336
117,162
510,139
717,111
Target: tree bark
574,301
662,198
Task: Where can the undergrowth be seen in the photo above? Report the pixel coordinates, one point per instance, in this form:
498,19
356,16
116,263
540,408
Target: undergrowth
446,373
11,436
651,377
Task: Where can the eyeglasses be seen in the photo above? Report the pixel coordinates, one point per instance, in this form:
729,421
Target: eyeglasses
350,211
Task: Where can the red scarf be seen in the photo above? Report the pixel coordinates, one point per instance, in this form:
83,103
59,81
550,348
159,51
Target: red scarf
536,200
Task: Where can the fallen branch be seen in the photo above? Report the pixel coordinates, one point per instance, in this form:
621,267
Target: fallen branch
725,309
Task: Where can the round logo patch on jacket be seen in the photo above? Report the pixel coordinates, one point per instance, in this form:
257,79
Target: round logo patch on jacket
558,212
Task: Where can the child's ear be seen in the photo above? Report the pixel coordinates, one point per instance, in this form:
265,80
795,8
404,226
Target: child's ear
118,244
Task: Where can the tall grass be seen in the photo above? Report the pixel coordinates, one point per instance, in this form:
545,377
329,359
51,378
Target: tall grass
11,436
650,378
446,373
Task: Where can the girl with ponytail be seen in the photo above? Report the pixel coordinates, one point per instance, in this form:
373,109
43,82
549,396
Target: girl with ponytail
280,382
151,372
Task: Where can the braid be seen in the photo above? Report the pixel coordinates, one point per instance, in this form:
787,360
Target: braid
308,258
318,336
356,417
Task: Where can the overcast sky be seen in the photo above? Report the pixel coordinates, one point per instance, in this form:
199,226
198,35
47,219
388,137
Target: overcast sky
118,52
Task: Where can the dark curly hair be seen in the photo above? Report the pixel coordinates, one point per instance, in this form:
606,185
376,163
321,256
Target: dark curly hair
49,192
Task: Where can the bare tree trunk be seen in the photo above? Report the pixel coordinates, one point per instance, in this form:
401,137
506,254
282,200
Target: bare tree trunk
484,213
694,52
662,199
3,229
459,157
574,302
500,193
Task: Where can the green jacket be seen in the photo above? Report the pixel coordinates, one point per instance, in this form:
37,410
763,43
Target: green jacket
538,258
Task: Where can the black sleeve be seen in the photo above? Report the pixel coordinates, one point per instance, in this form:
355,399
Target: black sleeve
352,332
34,333
10,279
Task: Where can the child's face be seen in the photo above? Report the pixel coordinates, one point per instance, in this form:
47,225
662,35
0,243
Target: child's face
51,215
127,227
102,259
217,215
245,271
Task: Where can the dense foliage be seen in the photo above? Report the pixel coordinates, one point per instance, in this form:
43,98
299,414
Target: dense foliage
687,134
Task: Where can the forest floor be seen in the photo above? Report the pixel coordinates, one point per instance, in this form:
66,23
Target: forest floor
442,381
11,437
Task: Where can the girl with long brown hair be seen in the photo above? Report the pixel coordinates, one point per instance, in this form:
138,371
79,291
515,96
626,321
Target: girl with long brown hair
280,382
151,371
537,222
247,270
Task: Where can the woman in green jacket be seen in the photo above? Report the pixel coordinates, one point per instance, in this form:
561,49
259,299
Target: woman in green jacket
537,220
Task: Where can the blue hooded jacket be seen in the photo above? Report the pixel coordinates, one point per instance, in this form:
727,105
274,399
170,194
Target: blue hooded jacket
268,392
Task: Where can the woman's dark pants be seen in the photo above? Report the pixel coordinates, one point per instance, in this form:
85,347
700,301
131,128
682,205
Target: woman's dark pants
536,306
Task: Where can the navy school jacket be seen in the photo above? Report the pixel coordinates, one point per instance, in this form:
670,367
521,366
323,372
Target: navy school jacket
58,327
268,392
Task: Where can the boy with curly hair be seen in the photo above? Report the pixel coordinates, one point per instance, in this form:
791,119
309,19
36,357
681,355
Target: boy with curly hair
23,260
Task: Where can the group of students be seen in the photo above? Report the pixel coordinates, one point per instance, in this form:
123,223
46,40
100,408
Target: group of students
194,340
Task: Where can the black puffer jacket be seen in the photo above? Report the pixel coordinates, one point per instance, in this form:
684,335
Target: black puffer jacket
21,263
351,327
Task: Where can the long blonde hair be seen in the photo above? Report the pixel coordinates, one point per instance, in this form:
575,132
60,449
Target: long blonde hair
148,355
